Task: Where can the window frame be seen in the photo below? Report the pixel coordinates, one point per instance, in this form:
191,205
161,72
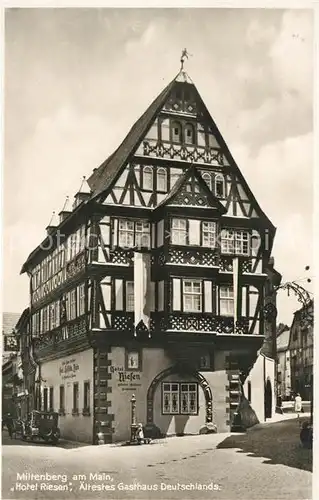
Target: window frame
148,170
51,398
176,124
209,175
62,399
81,302
161,171
228,299
179,231
189,125
76,398
219,178
228,245
129,307
73,304
145,233
209,232
45,403
192,294
86,398
179,392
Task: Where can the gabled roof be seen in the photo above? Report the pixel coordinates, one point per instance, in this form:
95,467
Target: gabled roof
182,180
101,179
283,340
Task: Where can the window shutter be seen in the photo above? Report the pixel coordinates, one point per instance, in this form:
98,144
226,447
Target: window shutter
106,294
115,225
208,297
176,294
194,232
160,233
153,234
152,296
243,301
105,234
253,299
119,295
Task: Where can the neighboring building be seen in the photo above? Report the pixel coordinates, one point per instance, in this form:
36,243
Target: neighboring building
301,351
283,364
10,379
153,283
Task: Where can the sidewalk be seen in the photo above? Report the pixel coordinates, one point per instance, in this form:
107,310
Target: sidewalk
278,417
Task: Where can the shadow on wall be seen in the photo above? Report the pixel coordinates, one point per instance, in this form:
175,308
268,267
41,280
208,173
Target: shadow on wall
248,417
279,443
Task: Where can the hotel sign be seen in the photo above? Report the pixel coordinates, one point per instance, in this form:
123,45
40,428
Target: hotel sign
126,380
68,369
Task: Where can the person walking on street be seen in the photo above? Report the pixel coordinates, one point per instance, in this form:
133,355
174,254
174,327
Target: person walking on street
298,405
10,425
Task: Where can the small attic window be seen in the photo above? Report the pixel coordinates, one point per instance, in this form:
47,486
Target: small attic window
189,134
208,179
176,131
219,186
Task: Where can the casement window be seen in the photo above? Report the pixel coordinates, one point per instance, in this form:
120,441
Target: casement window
134,234
75,409
189,134
51,392
161,180
81,292
142,234
62,399
226,301
235,242
86,396
208,179
179,398
209,234
45,399
219,186
179,232
73,304
192,296
176,132
148,178
129,296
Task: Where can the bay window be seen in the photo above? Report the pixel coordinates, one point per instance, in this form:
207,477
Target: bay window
226,301
192,296
134,234
209,234
235,242
179,232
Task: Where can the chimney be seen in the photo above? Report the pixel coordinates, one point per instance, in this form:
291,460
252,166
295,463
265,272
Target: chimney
66,210
83,193
53,224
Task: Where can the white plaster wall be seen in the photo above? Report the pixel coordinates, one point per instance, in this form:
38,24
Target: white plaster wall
264,367
77,428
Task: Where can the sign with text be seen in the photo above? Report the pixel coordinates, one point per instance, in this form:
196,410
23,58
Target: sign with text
68,369
126,380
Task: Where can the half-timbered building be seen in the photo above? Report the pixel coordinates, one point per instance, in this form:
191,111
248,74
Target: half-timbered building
152,282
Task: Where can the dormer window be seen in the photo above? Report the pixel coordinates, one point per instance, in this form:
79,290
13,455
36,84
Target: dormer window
148,178
219,186
161,180
176,132
189,134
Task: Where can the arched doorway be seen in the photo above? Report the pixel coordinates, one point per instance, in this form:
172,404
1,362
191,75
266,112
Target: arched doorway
181,370
268,399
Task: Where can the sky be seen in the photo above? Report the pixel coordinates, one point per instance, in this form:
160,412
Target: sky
77,79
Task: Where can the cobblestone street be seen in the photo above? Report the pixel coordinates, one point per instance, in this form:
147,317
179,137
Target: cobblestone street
266,463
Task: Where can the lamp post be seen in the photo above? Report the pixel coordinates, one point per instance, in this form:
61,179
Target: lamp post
133,420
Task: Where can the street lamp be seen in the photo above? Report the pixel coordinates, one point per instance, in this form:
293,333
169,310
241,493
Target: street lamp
133,439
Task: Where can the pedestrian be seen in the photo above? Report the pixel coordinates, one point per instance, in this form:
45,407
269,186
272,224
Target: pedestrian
298,404
140,434
10,425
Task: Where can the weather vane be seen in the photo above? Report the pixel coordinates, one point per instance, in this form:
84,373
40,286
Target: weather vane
184,56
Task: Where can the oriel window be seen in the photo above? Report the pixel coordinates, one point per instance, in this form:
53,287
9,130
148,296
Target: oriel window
142,234
209,234
235,242
192,296
226,301
179,232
